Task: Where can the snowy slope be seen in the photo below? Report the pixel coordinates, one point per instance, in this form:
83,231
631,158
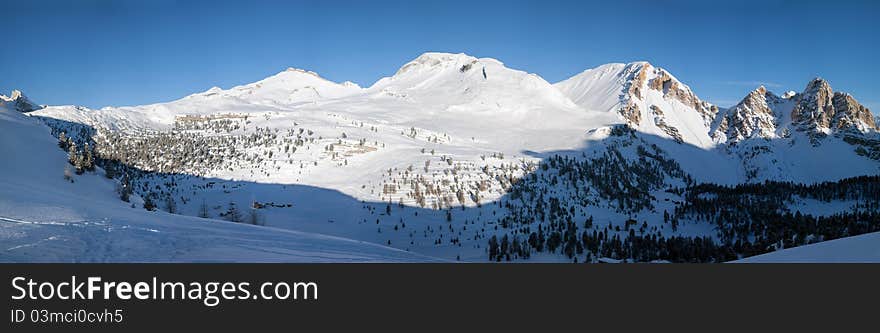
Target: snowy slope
466,85
19,102
763,130
286,89
856,249
460,113
444,131
430,124
601,88
758,139
477,105
44,217
648,98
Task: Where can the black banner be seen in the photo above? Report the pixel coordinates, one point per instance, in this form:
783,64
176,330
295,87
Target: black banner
418,297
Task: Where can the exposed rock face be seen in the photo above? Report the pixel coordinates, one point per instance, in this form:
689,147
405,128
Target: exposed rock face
752,117
638,81
661,123
672,89
821,111
849,114
720,133
818,112
636,76
815,110
642,77
20,102
632,114
645,98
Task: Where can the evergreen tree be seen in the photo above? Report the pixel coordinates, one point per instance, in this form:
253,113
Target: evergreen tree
170,205
88,160
110,170
232,214
148,202
72,155
254,217
203,209
125,188
493,248
62,141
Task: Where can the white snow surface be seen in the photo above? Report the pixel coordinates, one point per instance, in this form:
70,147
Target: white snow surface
484,106
460,107
856,249
604,89
45,218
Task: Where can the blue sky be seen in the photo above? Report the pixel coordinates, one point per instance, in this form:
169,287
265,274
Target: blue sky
99,53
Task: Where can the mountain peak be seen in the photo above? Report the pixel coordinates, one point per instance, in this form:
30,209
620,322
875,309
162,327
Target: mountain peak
351,84
641,64
298,70
441,56
753,117
645,97
821,111
818,83
436,60
850,115
815,110
460,82
20,102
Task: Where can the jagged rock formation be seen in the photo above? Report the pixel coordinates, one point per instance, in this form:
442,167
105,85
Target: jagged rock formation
18,101
661,123
750,118
818,111
821,111
849,114
651,100
673,89
647,98
814,110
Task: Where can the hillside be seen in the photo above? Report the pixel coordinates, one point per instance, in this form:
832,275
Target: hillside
47,216
856,249
462,158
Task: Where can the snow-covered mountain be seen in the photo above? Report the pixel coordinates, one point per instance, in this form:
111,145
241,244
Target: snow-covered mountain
765,135
814,135
50,214
821,110
461,83
620,142
18,102
756,116
818,111
648,98
289,87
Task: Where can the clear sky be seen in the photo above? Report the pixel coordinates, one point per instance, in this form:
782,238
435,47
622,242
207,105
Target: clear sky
98,53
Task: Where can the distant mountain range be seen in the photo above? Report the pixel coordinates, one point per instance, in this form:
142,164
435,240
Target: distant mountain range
452,130
646,98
